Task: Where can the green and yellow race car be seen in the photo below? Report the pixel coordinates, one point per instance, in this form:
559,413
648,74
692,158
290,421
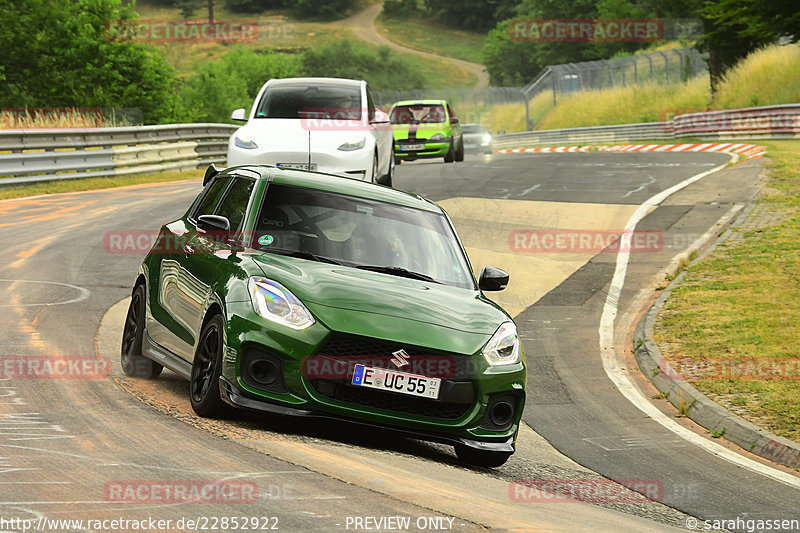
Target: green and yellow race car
426,129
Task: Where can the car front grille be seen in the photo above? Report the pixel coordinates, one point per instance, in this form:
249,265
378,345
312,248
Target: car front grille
456,396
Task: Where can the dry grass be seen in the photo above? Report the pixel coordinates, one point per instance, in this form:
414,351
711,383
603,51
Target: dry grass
626,105
51,118
767,76
88,184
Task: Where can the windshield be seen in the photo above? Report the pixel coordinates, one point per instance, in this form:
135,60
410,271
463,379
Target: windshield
472,128
302,101
416,114
360,233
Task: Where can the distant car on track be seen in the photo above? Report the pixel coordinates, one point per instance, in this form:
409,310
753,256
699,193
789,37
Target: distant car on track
476,138
426,129
323,124
306,294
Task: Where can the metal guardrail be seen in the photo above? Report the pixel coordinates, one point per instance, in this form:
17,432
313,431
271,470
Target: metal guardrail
594,134
662,67
33,155
28,156
770,122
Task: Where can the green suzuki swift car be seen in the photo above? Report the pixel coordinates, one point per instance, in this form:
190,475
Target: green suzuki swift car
425,129
313,295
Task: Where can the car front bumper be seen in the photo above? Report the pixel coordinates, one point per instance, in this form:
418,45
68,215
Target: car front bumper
466,421
432,149
353,163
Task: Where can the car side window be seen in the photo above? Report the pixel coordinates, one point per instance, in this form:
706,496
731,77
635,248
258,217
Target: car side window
450,111
234,204
206,205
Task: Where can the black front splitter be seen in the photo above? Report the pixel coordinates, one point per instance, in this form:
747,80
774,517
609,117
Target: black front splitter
231,395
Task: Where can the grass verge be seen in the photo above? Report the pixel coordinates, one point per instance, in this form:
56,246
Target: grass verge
88,184
732,326
422,34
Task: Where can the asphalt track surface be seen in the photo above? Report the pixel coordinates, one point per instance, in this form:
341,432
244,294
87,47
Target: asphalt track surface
63,444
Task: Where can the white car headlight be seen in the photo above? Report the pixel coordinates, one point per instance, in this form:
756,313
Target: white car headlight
437,137
358,144
487,138
503,347
245,143
276,303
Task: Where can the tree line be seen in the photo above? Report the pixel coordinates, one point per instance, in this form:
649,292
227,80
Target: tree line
58,54
730,30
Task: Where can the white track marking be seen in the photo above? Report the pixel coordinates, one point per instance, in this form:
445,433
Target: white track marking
614,366
84,293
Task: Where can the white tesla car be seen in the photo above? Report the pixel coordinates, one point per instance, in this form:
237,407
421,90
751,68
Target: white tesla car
323,124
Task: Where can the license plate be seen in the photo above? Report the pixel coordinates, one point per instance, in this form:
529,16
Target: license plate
413,147
302,166
402,382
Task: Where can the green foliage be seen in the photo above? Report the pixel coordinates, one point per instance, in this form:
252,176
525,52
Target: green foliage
383,69
230,83
56,54
517,63
401,9
476,15
321,9
255,6
737,27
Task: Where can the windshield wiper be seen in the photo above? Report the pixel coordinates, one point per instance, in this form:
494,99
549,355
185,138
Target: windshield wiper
398,271
302,254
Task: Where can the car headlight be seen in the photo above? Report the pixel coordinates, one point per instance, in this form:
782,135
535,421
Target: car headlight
354,145
503,347
487,138
276,303
437,137
247,144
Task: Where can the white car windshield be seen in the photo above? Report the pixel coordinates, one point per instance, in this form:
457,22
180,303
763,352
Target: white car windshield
305,101
361,233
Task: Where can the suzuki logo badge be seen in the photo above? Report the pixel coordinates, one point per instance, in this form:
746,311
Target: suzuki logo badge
400,358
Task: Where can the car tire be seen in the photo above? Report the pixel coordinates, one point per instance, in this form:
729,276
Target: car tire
206,370
460,150
397,160
451,153
485,458
387,178
133,363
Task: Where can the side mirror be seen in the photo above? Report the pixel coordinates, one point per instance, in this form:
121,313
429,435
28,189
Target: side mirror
239,115
453,120
213,223
493,279
381,117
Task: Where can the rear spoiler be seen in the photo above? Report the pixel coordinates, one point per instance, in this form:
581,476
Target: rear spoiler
211,171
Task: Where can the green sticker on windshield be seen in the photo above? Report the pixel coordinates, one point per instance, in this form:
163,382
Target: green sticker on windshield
265,240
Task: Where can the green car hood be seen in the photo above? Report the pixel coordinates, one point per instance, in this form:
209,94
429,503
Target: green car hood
347,299
421,131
